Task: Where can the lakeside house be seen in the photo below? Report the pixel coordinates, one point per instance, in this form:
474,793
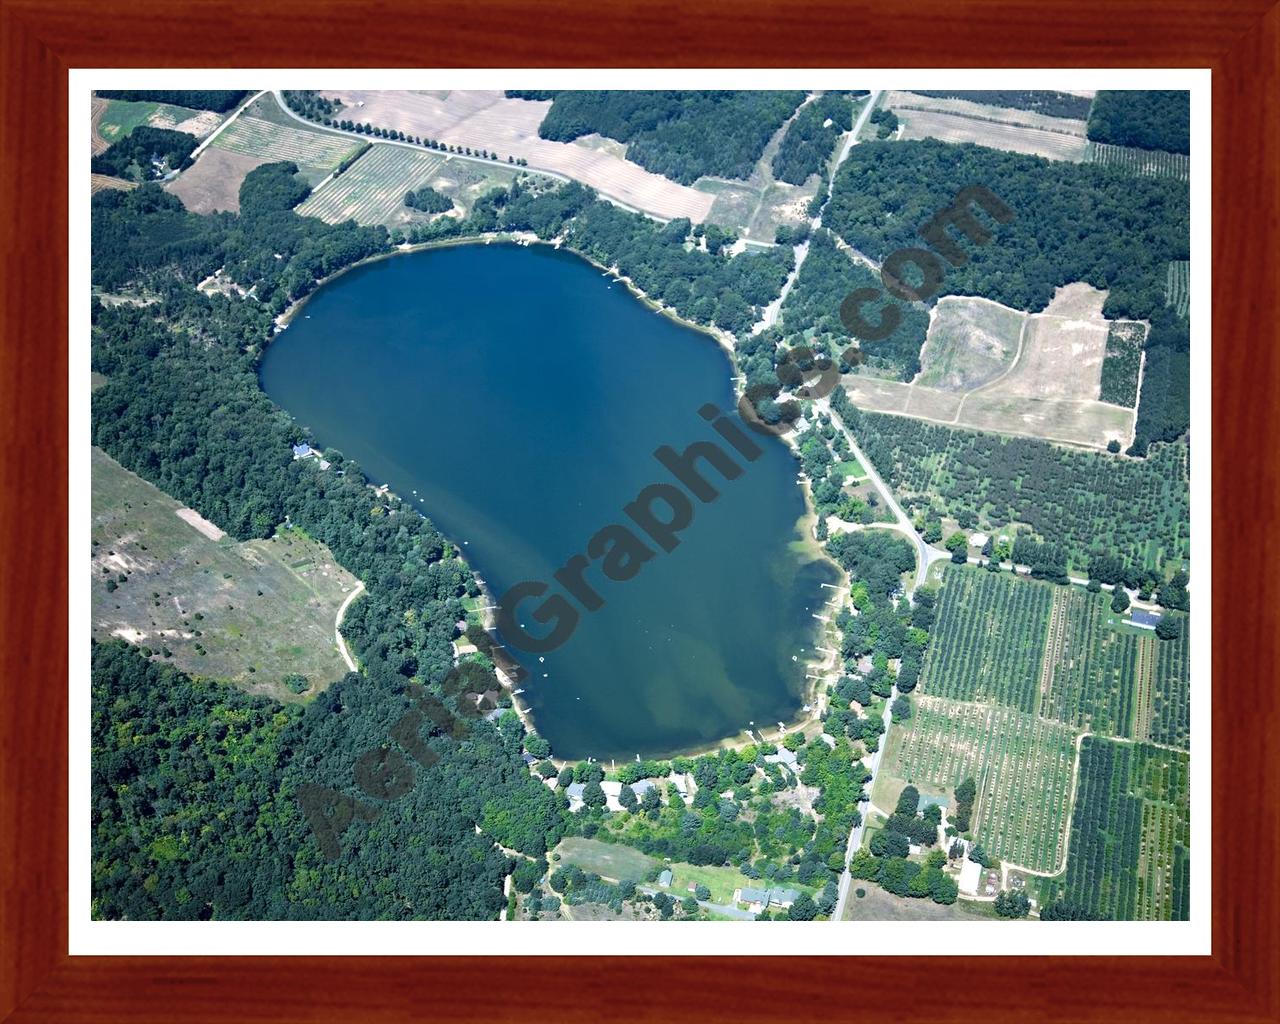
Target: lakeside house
304,451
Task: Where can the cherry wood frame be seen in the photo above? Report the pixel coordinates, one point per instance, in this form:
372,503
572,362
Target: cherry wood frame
40,39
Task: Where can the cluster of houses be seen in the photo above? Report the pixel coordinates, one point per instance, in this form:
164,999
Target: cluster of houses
760,900
683,785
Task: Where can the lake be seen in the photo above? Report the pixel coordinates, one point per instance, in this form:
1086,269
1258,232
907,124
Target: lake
515,396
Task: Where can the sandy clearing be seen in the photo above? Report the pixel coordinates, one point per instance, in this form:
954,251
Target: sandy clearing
1014,138
200,125
898,101
194,518
487,120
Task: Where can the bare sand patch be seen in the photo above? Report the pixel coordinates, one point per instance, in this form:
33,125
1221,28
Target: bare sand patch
1078,301
191,516
201,125
212,183
484,119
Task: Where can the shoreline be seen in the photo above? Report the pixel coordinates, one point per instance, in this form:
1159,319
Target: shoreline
804,545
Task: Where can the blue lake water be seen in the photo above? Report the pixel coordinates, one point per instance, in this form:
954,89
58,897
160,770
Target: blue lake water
522,394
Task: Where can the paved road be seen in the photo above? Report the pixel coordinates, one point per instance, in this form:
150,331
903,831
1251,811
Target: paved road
855,834
222,127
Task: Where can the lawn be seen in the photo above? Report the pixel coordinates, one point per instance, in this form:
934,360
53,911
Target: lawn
852,468
248,613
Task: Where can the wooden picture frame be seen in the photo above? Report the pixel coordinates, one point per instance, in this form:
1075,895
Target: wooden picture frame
41,39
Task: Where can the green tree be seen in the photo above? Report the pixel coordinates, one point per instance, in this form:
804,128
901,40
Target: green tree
803,909
628,798
1120,600
593,795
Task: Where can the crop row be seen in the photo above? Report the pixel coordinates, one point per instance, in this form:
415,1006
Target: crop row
1177,289
372,189
989,640
1130,832
1021,766
1146,162
252,136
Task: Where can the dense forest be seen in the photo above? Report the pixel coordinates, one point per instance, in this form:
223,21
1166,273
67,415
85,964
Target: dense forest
1147,119
680,134
1086,503
1065,226
428,200
812,308
1038,101
146,154
220,100
811,137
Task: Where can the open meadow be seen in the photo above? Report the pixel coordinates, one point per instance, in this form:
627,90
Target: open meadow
990,367
250,613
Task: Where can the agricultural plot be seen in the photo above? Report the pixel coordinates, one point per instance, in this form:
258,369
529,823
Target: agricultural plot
1177,289
971,341
120,117
212,183
959,120
1130,832
100,182
372,190
988,643
1123,361
315,153
1021,765
1150,163
251,614
1164,703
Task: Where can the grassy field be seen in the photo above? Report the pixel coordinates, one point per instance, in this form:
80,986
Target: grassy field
1145,162
123,116
852,469
1177,289
261,131
372,190
248,613
971,342
988,641
878,905
1021,765
608,860
1130,832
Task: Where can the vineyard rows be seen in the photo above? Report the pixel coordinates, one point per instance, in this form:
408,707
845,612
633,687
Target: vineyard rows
1177,288
1145,162
252,136
372,190
1169,715
1130,832
1021,765
1122,362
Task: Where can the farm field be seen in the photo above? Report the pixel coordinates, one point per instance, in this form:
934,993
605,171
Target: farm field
99,182
1145,162
1130,832
1021,764
1018,131
1123,362
990,367
372,190
212,183
989,638
1177,291
120,117
316,152
98,107
1163,712
247,613
486,120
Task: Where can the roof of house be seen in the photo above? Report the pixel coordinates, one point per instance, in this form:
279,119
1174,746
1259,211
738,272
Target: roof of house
749,895
574,789
1141,618
783,895
665,877
639,788
302,449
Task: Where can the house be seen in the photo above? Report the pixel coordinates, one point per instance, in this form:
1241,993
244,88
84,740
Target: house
642,787
978,540
760,899
970,876
664,879
528,759
461,648
783,756
1144,620
574,792
683,784
304,451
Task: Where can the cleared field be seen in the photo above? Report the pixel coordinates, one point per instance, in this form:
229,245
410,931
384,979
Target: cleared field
1021,766
315,153
212,183
970,343
1007,128
878,905
608,860
1146,162
99,182
484,119
1047,387
248,613
989,638
372,190
1177,289
1130,832
97,143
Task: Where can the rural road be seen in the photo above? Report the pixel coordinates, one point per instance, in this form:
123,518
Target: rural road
219,130
337,630
855,834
